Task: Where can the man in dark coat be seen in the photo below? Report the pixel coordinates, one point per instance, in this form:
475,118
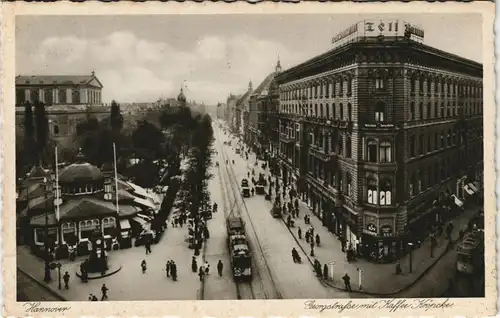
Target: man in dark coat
173,270
347,282
220,266
167,268
66,280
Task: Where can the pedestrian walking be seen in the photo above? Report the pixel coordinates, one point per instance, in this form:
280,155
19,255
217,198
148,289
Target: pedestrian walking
312,249
220,266
104,292
307,236
299,232
143,266
167,268
66,280
147,245
194,264
347,282
325,271
318,239
201,273
207,268
173,271
94,298
90,297
342,242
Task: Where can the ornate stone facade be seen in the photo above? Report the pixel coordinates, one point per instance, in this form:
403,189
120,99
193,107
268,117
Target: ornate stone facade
368,133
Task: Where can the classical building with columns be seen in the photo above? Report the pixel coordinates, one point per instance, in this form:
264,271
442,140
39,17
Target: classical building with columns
69,99
59,89
382,136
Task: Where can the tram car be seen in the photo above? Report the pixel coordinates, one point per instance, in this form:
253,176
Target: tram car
241,260
470,253
245,189
235,225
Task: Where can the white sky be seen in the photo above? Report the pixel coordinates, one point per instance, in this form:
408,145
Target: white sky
142,58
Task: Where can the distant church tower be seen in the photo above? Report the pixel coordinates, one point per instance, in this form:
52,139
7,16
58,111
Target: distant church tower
181,99
278,65
250,88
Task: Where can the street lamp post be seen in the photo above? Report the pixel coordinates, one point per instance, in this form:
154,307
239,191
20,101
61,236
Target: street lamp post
411,250
59,274
47,277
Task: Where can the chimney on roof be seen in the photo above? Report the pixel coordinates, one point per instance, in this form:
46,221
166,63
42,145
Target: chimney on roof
93,73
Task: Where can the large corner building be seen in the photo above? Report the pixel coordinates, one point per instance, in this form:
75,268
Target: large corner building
381,135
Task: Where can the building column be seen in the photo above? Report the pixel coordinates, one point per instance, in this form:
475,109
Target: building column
41,95
69,95
27,95
55,95
83,96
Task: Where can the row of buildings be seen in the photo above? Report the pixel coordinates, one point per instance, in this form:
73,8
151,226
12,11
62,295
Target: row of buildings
382,135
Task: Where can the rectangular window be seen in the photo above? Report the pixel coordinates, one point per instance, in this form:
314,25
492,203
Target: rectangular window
385,151
379,83
412,146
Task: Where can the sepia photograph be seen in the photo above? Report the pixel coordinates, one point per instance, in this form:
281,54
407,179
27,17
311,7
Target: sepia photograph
249,157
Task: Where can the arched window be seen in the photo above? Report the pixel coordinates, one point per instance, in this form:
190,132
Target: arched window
321,110
419,182
429,110
349,86
341,109
87,228
372,194
348,146
413,85
56,129
410,186
315,110
341,87
62,96
349,112
34,95
327,109
68,230
327,87
76,96
421,85
334,111
47,94
442,141
442,110
385,150
334,88
385,192
379,82
412,111
429,89
108,225
371,150
449,138
421,110
380,111
349,184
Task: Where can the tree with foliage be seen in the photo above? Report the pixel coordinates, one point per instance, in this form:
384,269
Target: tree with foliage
150,139
42,129
116,118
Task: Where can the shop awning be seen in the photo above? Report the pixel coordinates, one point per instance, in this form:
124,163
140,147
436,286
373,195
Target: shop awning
457,201
141,221
473,187
124,224
145,203
468,190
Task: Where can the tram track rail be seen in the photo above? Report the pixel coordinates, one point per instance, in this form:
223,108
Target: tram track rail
236,191
244,290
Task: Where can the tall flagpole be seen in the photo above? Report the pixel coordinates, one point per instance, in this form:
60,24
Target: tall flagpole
116,177
57,188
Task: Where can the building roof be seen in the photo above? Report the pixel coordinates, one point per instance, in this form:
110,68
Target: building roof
58,80
37,172
84,208
80,172
263,88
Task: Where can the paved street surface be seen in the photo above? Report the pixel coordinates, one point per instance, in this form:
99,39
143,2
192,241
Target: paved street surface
293,280
129,283
216,287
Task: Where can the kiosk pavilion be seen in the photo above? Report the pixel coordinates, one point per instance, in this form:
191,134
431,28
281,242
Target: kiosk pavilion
64,213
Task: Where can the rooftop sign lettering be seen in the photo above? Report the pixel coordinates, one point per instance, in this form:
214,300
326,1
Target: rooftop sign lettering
377,28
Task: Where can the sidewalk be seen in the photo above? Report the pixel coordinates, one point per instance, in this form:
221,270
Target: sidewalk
129,283
375,277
